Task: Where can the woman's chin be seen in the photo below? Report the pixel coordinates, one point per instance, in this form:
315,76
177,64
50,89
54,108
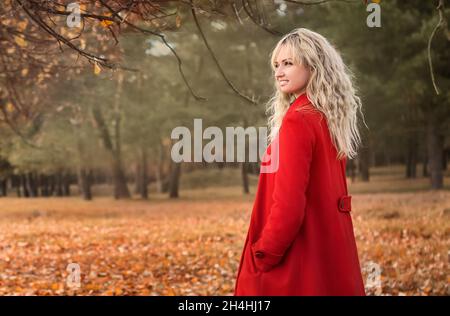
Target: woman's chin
285,90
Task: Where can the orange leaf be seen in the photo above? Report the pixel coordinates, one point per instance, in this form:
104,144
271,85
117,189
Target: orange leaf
20,41
9,107
106,23
97,69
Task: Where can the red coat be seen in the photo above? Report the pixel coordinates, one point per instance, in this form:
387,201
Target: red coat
301,240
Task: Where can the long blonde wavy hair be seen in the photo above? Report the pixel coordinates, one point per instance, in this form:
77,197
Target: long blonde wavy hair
330,89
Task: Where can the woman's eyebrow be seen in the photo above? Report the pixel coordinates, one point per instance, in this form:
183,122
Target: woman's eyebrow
284,60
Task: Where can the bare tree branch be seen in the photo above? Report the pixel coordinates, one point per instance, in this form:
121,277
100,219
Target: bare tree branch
246,5
216,61
442,24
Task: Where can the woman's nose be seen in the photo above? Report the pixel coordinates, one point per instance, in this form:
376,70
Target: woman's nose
279,72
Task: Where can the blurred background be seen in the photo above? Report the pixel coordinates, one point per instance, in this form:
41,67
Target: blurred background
90,92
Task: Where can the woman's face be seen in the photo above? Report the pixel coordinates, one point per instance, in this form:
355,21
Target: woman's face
291,78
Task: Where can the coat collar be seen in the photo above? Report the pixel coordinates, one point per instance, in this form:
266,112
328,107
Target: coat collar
301,100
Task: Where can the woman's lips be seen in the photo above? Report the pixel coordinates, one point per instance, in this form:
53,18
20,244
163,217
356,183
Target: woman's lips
283,82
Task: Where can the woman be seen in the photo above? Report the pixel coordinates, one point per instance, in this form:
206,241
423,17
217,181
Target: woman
301,240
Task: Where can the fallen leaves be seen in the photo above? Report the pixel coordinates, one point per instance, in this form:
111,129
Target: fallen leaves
20,41
134,248
410,247
193,246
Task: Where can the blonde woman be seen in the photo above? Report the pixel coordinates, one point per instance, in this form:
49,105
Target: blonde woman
301,240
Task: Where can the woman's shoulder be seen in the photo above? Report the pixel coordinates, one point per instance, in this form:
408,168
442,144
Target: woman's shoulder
307,114
303,121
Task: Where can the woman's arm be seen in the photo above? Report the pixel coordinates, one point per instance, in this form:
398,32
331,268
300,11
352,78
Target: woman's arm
296,143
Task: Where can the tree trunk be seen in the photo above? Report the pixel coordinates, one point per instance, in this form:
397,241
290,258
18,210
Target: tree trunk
445,159
59,189
411,156
143,177
364,162
16,183
85,183
364,156
31,184
84,174
118,175
245,164
352,168
23,182
245,183
158,176
4,187
137,182
66,179
412,123
174,179
44,184
425,160
160,168
435,149
35,183
120,181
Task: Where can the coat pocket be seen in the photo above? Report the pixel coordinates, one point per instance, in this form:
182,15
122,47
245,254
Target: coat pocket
264,261
345,203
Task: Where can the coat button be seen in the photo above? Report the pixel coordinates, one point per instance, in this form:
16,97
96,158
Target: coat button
259,254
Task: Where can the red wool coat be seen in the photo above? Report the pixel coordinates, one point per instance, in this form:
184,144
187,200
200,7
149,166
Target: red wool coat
301,240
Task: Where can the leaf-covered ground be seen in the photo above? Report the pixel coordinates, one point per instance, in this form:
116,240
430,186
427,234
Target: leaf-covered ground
192,246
